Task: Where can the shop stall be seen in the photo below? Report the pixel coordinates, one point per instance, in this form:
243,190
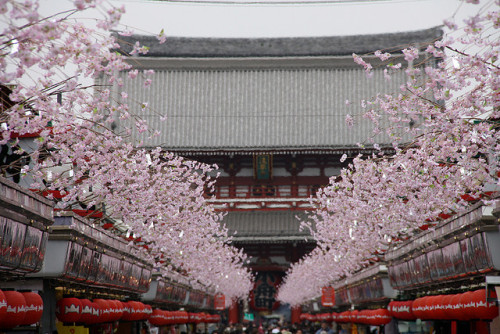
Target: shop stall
25,219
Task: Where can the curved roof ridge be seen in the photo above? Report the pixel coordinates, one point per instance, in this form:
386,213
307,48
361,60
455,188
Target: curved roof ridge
278,47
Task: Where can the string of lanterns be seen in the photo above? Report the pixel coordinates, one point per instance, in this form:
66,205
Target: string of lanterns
19,309
75,310
465,306
163,318
471,305
376,317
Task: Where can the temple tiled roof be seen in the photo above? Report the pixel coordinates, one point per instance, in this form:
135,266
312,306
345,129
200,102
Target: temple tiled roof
277,47
231,95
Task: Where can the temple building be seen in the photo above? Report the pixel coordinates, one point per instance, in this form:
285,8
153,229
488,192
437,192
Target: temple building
271,114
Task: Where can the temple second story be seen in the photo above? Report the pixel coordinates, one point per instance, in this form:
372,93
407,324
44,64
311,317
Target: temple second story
271,113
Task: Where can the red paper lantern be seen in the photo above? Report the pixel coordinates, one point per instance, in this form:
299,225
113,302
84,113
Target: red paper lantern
34,308
69,310
129,311
438,306
139,311
3,306
91,313
405,310
417,308
165,318
176,317
363,316
368,317
344,316
402,310
347,316
142,311
106,312
116,309
170,316
157,318
428,308
484,310
382,317
392,308
16,309
448,307
112,310
467,306
456,311
184,317
147,312
353,317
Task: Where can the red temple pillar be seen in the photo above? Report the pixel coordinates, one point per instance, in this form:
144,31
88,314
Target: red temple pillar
295,314
233,313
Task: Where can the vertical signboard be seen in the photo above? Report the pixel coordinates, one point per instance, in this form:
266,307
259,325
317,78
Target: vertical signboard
328,296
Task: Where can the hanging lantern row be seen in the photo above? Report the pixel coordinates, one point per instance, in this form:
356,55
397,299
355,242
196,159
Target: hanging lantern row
165,318
75,310
402,310
309,317
324,317
376,317
472,305
370,317
19,309
465,306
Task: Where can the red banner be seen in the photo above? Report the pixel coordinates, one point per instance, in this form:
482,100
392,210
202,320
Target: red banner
328,296
219,302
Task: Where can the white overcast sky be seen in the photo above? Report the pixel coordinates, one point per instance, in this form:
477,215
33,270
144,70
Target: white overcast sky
269,18
288,20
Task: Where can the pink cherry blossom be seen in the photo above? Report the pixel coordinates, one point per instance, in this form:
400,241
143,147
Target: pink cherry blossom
444,130
81,153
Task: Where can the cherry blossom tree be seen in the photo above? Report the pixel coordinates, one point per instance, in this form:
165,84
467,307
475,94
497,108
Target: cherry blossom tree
77,158
451,111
